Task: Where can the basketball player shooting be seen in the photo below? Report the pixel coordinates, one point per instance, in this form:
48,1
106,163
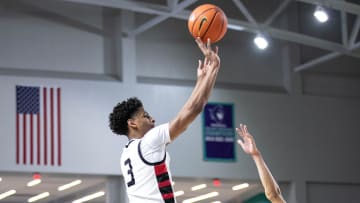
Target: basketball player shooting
144,160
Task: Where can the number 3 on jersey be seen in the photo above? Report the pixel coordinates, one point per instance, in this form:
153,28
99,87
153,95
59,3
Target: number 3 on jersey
130,172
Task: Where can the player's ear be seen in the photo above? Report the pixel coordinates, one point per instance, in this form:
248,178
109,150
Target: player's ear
131,123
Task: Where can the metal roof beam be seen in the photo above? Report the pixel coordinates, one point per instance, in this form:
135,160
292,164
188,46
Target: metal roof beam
336,4
354,32
140,7
245,11
296,38
322,59
172,3
233,24
277,12
156,20
344,31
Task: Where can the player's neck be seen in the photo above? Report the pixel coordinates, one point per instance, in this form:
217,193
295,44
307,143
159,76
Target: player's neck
135,135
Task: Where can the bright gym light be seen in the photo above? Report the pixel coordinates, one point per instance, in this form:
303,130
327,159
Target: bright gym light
69,185
198,187
261,42
201,197
241,186
34,182
89,197
7,194
38,197
179,193
321,15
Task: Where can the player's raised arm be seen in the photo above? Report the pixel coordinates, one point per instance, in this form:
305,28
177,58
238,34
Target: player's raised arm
247,143
206,75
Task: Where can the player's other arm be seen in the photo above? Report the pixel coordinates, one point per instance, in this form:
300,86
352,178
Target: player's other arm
247,143
272,189
206,75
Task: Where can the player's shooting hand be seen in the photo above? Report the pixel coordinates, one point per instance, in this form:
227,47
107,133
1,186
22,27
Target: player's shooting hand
211,55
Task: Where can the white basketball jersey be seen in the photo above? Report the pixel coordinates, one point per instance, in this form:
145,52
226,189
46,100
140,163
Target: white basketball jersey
145,167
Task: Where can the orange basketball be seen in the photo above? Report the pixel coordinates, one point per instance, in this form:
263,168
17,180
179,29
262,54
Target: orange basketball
208,21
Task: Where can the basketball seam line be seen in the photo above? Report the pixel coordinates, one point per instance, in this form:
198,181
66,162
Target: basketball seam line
212,20
221,28
192,28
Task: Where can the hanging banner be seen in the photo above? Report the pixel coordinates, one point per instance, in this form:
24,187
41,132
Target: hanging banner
218,132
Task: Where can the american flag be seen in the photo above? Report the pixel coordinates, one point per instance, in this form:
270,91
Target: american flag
38,126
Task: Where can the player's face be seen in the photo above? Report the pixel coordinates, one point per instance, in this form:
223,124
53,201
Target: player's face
144,121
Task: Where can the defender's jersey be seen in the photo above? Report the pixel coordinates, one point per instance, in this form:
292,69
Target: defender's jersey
145,167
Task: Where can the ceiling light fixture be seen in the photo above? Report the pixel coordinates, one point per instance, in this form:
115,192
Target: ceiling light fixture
261,42
36,180
235,27
241,186
7,194
89,197
178,193
201,197
69,185
33,182
198,187
320,14
38,197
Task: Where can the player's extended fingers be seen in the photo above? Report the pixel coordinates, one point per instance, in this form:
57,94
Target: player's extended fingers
202,46
205,47
206,61
241,143
246,130
208,43
200,66
198,41
243,129
240,134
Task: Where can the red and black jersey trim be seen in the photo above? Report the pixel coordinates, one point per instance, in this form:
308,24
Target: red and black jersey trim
162,177
164,183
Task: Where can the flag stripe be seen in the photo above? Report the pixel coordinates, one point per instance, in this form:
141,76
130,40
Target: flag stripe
24,139
31,140
17,139
45,126
59,125
52,124
38,138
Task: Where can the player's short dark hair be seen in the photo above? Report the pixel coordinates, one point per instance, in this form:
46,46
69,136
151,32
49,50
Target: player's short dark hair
121,113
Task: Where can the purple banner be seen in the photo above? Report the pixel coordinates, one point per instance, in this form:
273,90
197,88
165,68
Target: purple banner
218,131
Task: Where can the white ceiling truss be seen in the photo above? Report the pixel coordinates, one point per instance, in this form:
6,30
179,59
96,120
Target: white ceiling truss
177,9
